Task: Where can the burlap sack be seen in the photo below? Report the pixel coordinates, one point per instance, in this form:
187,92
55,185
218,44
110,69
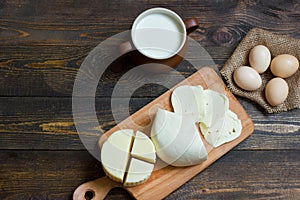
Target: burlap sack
277,44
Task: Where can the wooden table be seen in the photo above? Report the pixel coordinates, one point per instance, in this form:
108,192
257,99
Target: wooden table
43,44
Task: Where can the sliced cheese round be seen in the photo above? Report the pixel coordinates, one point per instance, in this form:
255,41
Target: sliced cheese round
188,100
127,157
177,140
138,172
143,148
115,154
224,130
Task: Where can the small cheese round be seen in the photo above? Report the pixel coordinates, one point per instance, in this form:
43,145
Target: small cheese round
117,162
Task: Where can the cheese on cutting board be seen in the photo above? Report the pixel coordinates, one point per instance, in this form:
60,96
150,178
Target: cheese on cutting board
129,158
215,107
205,106
217,123
182,104
115,154
117,157
143,148
224,130
177,139
138,172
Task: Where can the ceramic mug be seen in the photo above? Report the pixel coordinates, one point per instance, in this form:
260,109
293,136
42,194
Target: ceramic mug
160,36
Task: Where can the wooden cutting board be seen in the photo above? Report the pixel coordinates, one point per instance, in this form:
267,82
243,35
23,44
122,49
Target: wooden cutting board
164,181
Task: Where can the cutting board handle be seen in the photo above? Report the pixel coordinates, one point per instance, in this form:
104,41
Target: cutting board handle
96,189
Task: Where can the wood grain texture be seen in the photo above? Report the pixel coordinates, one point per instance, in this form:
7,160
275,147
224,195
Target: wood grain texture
41,53
55,175
48,124
42,45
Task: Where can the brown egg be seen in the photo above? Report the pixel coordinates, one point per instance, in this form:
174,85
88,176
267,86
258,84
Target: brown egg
247,78
260,58
284,65
276,91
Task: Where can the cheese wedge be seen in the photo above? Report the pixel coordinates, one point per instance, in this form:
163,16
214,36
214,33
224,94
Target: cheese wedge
115,154
177,140
143,148
224,130
138,172
188,100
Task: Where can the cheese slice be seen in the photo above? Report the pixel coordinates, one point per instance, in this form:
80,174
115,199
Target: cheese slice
224,130
215,107
188,100
143,148
115,154
138,172
199,94
204,106
177,140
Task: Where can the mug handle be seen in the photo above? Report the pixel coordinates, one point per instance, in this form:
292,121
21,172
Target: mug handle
191,25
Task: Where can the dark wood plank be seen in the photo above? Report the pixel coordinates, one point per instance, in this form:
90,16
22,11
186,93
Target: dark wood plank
47,123
55,175
269,129
43,44
247,175
44,174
